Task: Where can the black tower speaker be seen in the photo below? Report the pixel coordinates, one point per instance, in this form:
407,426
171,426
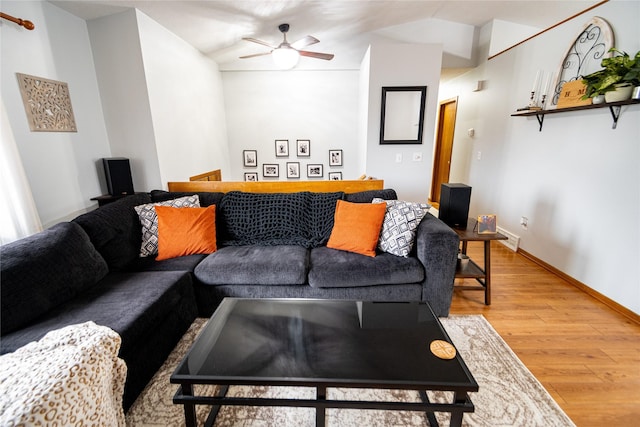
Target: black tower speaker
454,204
118,174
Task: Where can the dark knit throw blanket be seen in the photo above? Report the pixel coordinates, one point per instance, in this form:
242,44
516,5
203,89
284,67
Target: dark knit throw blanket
268,219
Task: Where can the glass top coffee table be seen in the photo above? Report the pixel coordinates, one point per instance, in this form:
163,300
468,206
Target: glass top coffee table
321,344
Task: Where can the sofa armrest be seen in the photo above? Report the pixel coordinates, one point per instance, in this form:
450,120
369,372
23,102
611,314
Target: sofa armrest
436,247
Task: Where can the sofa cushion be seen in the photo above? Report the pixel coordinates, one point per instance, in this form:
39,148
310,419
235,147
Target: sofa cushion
206,198
357,227
185,231
131,304
369,195
149,221
331,268
115,231
183,263
255,265
400,224
44,270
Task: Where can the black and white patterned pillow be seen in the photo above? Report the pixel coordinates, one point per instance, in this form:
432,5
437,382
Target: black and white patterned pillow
400,224
149,221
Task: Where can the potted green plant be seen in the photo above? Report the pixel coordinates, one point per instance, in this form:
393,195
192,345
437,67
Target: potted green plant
621,73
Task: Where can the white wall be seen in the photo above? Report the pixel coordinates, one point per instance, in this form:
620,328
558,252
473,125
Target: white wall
320,106
363,108
162,100
394,64
577,181
186,102
120,69
458,40
506,34
62,168
161,105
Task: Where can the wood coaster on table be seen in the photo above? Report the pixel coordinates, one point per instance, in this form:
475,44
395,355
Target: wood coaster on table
442,349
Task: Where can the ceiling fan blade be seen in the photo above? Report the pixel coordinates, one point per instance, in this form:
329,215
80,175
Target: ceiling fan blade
255,54
317,55
251,39
304,42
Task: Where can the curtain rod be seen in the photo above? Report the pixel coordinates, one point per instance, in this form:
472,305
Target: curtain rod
23,22
551,27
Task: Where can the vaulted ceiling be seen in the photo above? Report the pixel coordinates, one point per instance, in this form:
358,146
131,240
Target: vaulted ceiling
344,27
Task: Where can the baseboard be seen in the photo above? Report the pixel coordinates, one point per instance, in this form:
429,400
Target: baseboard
584,288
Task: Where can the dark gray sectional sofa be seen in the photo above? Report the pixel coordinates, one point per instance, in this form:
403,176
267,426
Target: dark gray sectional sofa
269,245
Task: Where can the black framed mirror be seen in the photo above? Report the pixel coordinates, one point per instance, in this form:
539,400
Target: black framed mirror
402,117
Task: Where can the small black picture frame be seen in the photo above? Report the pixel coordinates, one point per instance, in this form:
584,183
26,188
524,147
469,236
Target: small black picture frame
251,176
270,170
335,157
250,158
303,148
293,170
282,148
315,170
335,176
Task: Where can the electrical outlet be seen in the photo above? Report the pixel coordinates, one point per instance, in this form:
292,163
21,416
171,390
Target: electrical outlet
417,157
524,222
479,155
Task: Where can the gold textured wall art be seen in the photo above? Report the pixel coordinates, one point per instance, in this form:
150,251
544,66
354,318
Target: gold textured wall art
47,104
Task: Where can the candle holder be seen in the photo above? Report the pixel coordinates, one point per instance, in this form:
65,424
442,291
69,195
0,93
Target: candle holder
532,99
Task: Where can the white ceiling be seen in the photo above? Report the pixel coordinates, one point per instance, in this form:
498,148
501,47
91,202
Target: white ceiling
344,27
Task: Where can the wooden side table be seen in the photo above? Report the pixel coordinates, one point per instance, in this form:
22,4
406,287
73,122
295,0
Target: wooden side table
471,269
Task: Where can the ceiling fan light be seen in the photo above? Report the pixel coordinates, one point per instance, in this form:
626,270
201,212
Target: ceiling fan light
285,57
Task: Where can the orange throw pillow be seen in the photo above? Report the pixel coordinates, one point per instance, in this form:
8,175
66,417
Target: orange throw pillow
185,231
357,227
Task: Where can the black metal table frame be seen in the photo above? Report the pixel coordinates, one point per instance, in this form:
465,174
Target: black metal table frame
460,405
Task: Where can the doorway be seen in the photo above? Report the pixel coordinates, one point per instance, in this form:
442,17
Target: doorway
443,148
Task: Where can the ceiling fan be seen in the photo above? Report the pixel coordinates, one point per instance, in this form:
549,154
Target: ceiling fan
286,54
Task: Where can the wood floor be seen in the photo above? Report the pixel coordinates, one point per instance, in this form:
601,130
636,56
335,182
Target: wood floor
585,354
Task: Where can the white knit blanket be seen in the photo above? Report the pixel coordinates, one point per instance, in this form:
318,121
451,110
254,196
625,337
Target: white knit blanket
72,376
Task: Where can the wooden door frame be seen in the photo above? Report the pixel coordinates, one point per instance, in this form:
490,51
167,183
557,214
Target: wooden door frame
437,151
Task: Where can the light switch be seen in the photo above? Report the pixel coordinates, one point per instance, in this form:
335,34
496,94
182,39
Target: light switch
398,157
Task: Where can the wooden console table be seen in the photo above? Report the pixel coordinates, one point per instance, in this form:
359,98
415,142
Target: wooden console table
327,186
471,269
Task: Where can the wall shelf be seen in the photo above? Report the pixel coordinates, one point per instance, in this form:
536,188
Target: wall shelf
614,107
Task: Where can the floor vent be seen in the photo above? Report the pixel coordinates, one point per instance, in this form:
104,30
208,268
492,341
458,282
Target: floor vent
513,241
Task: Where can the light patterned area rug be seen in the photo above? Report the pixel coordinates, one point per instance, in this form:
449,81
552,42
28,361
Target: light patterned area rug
509,394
